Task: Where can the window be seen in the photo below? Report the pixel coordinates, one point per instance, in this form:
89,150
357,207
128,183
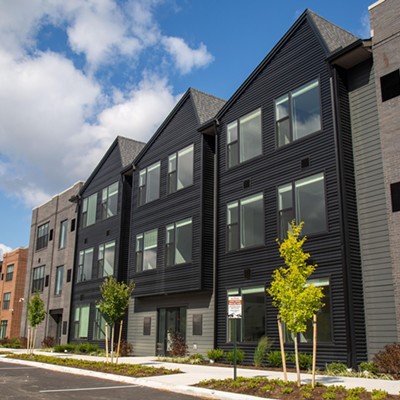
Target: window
146,326
42,236
59,280
197,324
244,138
106,259
395,195
99,327
6,300
245,222
149,184
63,234
85,265
324,325
38,279
298,113
81,322
180,169
109,201
251,327
9,272
179,242
390,85
89,207
146,250
3,329
303,200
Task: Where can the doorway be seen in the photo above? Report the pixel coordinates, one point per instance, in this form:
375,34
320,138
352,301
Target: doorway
170,320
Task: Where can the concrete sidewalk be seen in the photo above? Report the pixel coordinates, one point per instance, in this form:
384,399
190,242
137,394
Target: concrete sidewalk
193,374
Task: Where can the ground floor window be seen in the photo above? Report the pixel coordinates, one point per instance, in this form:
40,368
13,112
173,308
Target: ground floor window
99,326
3,329
81,321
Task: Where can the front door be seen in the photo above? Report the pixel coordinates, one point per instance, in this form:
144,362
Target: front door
170,320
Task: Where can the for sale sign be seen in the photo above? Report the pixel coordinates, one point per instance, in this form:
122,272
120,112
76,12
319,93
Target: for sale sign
234,307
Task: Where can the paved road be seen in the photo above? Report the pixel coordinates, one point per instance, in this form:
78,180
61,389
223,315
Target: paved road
20,382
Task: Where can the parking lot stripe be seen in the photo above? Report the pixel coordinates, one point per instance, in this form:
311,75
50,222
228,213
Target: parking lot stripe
83,389
1,368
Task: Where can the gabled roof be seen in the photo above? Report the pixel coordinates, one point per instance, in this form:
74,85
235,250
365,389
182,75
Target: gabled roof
128,149
331,37
205,105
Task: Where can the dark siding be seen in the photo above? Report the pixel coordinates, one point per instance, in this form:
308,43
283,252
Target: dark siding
300,60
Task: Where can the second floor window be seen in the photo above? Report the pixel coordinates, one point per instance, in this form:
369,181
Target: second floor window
6,301
9,272
178,246
244,138
85,265
89,207
42,236
146,250
303,200
63,234
38,279
59,280
109,201
180,169
245,222
149,183
106,259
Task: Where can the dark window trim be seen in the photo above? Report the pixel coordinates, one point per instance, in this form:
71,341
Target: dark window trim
10,275
174,244
142,189
175,172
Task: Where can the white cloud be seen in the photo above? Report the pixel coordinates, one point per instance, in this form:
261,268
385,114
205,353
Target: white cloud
185,57
365,31
4,249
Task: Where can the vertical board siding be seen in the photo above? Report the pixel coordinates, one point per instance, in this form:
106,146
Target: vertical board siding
379,301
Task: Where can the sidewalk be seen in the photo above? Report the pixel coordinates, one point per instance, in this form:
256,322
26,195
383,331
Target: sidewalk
193,374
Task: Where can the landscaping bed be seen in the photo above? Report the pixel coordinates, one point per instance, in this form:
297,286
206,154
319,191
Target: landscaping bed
277,389
132,370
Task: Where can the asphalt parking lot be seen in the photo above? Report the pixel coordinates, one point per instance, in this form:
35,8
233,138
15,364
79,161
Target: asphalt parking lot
18,382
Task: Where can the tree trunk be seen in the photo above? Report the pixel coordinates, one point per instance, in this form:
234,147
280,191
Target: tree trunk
112,342
106,342
34,341
282,348
296,353
119,340
314,362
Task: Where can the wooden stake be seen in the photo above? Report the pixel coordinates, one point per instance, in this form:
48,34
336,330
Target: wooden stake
314,362
106,342
119,340
282,348
296,353
34,340
28,344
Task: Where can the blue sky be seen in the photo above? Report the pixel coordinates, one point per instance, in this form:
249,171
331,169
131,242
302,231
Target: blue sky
76,73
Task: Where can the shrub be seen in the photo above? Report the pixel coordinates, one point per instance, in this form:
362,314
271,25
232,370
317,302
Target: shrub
197,357
377,394
336,368
48,342
305,360
368,367
10,343
229,356
264,345
274,358
178,345
125,349
388,359
64,348
215,354
86,348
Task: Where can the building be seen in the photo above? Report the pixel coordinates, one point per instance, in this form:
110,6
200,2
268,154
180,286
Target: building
102,237
171,240
50,263
12,285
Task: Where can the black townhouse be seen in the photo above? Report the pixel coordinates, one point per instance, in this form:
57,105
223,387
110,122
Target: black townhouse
102,237
171,240
284,151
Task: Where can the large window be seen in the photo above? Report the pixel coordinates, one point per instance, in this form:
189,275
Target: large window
81,322
63,234
89,207
251,327
99,326
146,250
42,236
149,183
9,272
178,246
180,169
245,222
303,200
298,113
38,279
3,329
244,138
6,300
106,259
59,280
109,201
85,265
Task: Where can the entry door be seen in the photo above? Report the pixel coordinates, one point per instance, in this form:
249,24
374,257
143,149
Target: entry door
170,320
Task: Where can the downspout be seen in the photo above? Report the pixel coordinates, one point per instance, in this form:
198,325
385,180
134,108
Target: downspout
215,230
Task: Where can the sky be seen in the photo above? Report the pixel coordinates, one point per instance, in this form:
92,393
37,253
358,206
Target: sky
75,74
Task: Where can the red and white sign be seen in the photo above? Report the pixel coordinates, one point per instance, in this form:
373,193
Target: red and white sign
235,307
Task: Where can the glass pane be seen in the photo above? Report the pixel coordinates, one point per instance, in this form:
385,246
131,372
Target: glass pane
282,107
185,167
153,182
233,155
91,213
252,221
87,265
183,241
306,110
59,280
250,136
142,177
253,314
283,131
233,216
63,234
109,259
285,218
172,163
150,250
285,196
233,237
310,204
232,132
84,322
112,203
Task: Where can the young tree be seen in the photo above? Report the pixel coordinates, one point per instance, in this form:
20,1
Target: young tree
115,301
296,300
36,314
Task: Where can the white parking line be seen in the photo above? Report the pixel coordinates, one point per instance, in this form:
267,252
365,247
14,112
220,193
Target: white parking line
83,389
15,368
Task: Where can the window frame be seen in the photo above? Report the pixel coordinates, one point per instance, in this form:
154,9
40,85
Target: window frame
3,328
87,211
140,250
58,284
38,279
6,301
174,169
143,186
81,265
173,243
10,274
62,240
101,251
77,322
106,201
99,325
43,233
